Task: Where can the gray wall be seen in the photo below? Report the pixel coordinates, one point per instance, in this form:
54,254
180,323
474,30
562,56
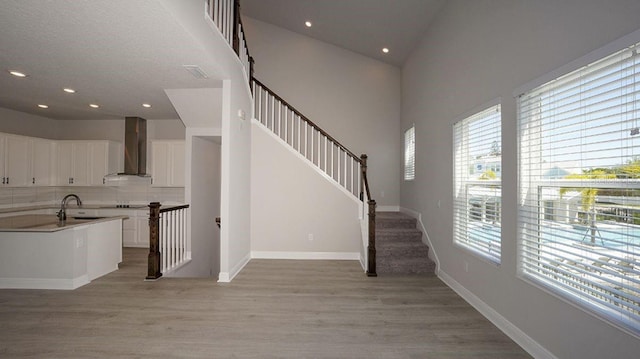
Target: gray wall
477,51
354,98
25,124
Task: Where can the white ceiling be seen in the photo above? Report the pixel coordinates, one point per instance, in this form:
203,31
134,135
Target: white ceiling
116,53
362,26
122,53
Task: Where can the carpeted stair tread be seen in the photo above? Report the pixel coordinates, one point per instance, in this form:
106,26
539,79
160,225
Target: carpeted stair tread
394,220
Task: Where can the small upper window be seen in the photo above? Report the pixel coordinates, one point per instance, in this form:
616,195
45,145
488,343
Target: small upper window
410,154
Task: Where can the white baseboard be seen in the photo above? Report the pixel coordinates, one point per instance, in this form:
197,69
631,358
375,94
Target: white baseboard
226,277
425,238
521,338
388,209
43,283
306,255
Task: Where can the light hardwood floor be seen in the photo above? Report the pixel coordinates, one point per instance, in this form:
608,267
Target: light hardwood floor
272,309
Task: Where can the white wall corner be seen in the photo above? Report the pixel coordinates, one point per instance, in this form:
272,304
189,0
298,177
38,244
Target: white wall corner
226,277
425,236
521,338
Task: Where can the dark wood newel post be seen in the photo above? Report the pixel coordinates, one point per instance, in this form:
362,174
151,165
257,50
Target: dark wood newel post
153,263
371,246
371,267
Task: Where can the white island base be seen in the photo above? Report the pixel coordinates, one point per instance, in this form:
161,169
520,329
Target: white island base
65,258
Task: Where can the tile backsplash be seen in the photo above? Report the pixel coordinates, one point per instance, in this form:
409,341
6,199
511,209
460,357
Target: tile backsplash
30,196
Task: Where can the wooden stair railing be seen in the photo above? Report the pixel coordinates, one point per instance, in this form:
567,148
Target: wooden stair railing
167,240
316,145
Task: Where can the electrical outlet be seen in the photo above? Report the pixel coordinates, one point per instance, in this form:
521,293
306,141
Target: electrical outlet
438,203
466,266
381,194
310,236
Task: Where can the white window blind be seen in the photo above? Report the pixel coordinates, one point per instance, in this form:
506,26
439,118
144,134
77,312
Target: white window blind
477,194
579,186
410,154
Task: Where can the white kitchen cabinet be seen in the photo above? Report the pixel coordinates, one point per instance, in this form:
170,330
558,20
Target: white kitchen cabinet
106,157
135,229
72,160
42,162
85,163
15,163
167,163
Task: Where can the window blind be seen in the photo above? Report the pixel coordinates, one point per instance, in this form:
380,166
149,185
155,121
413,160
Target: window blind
579,213
477,198
410,154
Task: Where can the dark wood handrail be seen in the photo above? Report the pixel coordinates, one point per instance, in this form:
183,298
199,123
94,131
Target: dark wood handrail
304,118
236,22
174,208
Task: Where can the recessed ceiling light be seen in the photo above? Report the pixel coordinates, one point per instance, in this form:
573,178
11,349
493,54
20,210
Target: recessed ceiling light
93,105
43,106
307,23
385,50
68,90
146,105
17,73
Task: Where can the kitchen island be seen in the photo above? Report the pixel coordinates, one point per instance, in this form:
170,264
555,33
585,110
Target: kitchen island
41,252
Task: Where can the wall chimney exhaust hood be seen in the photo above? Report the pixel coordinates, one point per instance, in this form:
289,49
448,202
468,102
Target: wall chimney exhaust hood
135,154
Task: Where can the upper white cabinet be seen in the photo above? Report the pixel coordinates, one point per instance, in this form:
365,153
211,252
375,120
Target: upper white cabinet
167,163
85,163
42,162
106,157
15,160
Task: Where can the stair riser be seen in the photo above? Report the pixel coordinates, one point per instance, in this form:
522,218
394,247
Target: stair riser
388,237
403,268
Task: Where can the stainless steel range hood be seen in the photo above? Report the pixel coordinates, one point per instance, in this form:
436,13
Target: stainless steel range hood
135,155
135,146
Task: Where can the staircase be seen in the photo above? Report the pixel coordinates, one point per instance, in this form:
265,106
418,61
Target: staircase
399,245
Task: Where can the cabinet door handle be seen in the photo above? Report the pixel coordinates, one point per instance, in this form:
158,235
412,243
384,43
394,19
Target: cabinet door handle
3,180
33,180
7,180
103,181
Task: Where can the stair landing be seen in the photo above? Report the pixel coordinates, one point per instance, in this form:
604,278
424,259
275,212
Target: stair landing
399,246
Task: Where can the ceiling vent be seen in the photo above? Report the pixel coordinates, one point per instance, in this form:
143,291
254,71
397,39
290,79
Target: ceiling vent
196,71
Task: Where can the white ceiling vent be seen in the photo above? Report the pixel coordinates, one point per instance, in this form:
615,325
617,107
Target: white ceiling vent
196,71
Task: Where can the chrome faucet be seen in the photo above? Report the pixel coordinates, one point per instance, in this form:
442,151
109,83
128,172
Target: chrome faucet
62,214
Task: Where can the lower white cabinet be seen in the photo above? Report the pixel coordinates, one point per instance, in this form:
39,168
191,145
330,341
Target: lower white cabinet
135,229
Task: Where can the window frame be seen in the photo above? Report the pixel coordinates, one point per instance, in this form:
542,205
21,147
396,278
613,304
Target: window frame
461,228
589,305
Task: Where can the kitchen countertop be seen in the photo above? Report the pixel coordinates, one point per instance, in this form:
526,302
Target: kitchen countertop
47,222
86,206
